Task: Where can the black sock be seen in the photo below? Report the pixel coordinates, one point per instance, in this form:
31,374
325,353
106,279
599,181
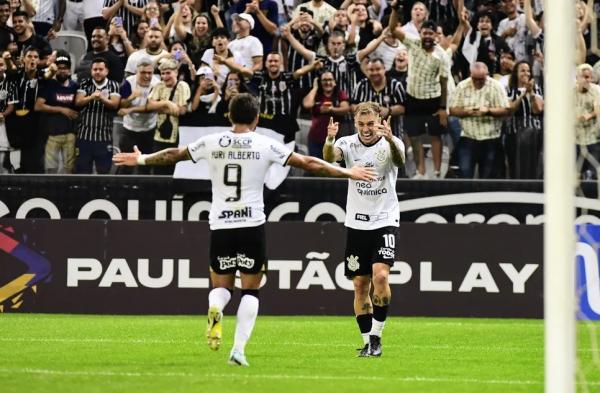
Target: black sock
364,322
380,313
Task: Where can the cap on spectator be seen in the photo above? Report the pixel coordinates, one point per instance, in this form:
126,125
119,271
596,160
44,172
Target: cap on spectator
167,64
63,57
245,16
204,70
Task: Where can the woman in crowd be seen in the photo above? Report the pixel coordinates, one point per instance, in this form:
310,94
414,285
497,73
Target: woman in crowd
326,102
362,28
118,43
202,34
233,85
524,131
137,39
180,24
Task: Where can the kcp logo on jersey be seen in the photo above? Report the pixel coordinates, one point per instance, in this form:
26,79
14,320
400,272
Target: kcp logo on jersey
588,272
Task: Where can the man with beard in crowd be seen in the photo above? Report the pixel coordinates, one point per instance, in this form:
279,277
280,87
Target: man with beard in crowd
100,49
99,97
276,95
153,50
426,92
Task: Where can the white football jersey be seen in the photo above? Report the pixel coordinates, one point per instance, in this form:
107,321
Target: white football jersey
237,163
371,205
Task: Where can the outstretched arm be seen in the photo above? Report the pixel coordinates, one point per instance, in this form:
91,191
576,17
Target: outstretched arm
322,168
164,157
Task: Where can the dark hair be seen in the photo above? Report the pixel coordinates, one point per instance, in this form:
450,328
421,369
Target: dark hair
31,49
376,60
183,45
243,87
336,33
21,13
155,28
336,89
429,24
4,2
220,32
243,109
100,60
513,81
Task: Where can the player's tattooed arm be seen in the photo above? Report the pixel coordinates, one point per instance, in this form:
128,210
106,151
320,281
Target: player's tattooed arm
323,168
168,156
164,157
397,154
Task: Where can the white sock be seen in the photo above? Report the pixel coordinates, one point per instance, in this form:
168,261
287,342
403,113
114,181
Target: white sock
365,337
246,316
377,328
219,297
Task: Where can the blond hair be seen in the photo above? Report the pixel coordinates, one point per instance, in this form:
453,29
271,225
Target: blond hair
367,108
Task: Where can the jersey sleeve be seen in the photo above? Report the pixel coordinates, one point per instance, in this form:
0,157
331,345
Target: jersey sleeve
198,150
342,144
277,152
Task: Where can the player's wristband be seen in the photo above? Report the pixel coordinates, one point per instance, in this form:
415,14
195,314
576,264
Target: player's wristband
141,160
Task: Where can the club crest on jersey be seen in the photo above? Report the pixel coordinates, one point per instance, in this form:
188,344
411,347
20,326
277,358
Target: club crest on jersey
225,141
353,264
381,155
282,86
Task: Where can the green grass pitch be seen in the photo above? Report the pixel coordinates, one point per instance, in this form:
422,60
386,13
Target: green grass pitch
67,353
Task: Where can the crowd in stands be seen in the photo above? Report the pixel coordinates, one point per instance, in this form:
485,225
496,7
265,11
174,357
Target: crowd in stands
457,76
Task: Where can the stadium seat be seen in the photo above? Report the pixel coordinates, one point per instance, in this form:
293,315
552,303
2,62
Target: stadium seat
73,42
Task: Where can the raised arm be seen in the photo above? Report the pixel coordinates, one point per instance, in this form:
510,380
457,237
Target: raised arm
109,12
298,47
330,152
371,46
531,25
394,22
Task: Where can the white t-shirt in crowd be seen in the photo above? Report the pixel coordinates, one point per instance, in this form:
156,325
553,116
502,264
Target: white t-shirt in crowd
136,56
207,58
245,49
140,121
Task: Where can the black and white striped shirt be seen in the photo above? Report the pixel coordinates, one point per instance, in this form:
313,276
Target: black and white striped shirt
129,19
344,70
392,94
96,121
297,61
275,95
7,93
524,116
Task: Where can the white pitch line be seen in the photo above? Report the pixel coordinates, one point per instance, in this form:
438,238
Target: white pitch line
101,373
